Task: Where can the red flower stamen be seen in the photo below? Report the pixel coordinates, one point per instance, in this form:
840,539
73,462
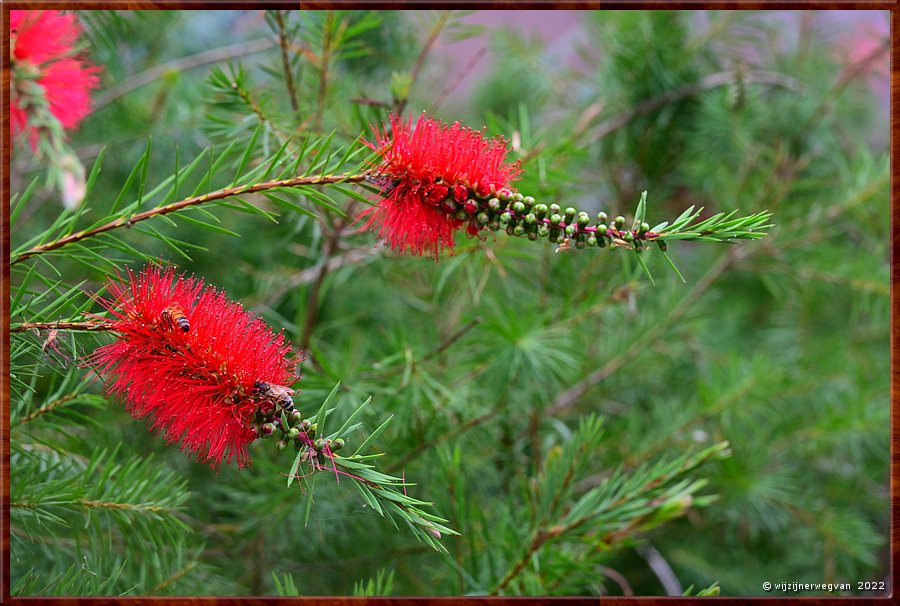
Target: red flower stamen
189,358
43,44
430,171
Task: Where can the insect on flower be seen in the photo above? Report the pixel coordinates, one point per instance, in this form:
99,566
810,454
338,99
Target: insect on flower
197,387
278,395
174,315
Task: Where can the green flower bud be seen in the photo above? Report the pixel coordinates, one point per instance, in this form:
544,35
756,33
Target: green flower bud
519,230
543,231
305,425
528,200
532,235
281,445
627,236
461,215
554,208
555,219
570,212
518,197
601,229
494,204
620,222
519,207
601,217
530,219
504,219
645,227
570,230
337,444
312,430
560,238
295,417
583,219
319,444
292,433
540,210
483,217
493,226
592,241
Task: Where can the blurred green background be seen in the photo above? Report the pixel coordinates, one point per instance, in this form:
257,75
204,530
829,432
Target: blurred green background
779,346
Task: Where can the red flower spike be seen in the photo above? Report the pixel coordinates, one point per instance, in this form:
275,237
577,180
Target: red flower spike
194,384
43,42
424,166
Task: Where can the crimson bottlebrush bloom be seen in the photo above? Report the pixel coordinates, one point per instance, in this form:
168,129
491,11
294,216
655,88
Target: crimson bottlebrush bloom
190,359
428,172
43,43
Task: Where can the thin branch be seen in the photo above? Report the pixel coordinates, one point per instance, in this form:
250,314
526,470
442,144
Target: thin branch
214,196
464,72
709,82
185,570
47,408
449,341
323,69
178,65
312,307
425,446
420,61
286,61
568,398
93,325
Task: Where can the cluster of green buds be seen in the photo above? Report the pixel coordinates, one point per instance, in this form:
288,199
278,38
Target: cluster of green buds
522,216
271,421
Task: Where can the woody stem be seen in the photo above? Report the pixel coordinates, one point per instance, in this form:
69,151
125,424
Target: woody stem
220,194
92,325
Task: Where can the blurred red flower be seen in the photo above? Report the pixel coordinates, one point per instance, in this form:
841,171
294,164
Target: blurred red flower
189,358
43,44
427,173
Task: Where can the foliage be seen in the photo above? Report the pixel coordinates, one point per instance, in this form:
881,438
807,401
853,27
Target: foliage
561,413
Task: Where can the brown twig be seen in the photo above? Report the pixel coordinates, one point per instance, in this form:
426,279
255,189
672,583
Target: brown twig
420,61
425,446
220,194
178,65
286,61
449,341
47,408
312,307
709,82
465,71
568,398
323,69
61,325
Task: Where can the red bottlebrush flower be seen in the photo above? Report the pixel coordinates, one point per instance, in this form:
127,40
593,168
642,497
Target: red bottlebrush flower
428,172
43,42
189,358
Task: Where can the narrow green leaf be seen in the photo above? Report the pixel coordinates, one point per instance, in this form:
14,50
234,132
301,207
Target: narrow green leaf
673,266
294,467
144,162
359,410
374,435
